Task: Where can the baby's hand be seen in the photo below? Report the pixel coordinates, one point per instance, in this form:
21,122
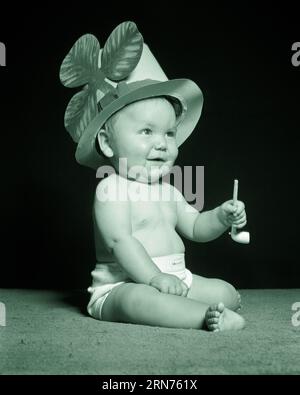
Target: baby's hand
169,284
230,214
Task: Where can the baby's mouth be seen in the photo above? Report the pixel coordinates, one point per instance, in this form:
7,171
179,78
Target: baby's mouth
155,160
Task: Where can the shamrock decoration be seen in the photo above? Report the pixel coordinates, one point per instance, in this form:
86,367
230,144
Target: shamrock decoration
121,53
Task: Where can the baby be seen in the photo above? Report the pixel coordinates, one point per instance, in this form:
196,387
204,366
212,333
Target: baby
130,114
142,278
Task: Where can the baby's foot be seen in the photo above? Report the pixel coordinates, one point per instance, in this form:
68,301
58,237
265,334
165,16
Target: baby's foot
218,318
239,301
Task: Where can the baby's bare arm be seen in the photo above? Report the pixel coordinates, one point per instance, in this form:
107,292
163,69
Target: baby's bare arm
211,224
132,256
197,226
112,217
208,226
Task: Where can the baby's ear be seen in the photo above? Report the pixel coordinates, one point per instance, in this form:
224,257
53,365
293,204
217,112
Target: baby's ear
103,141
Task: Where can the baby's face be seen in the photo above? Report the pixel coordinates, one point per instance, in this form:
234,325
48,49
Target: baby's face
144,133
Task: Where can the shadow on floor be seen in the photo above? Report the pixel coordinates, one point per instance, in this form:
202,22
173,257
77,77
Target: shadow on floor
78,299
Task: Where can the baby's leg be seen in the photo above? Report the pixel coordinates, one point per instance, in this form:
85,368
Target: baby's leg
211,291
145,305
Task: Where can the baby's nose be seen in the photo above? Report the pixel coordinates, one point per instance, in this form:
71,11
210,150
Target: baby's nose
160,143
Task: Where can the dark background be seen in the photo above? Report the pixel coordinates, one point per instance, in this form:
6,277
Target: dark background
241,59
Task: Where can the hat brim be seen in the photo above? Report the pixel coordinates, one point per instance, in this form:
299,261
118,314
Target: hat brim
185,90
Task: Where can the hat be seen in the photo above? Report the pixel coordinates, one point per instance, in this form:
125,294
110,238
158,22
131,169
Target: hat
123,72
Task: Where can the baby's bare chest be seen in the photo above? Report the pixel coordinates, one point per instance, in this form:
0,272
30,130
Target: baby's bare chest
153,214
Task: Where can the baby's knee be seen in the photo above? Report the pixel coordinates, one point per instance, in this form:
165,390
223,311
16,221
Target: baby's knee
229,295
136,297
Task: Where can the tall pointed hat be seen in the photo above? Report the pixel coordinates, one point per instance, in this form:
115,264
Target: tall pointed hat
123,72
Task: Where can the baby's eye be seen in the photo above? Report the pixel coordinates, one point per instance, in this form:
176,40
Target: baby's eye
146,132
171,133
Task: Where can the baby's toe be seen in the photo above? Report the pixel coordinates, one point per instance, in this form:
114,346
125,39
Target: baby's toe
212,308
220,307
215,328
213,320
213,314
239,301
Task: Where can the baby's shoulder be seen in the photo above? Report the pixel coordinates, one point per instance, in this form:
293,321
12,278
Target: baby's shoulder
112,188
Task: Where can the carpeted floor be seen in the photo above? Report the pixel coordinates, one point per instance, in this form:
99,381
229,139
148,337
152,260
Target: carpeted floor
47,332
